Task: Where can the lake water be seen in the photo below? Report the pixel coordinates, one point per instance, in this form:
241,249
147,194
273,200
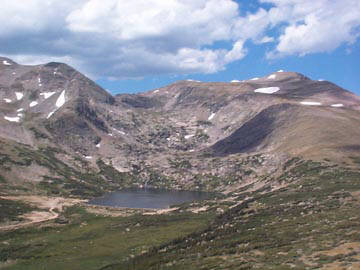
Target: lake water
148,198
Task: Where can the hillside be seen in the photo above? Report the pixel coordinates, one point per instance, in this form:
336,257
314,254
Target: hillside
281,153
176,135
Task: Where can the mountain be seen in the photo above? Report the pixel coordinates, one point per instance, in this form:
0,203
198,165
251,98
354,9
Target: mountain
181,136
281,153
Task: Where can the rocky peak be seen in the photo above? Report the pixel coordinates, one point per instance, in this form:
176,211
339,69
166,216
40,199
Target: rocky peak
272,114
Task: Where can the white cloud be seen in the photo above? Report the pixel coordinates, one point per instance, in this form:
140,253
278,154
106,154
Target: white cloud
119,38
237,52
267,39
252,26
314,26
19,17
200,21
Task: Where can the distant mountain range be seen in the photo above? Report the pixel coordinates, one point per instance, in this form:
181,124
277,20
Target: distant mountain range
62,133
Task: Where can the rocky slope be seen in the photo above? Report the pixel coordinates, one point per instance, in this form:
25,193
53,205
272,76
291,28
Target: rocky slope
189,134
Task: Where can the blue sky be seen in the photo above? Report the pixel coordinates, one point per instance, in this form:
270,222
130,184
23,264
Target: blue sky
132,46
338,66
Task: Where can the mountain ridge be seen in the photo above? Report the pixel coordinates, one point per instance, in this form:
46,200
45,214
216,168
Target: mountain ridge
152,135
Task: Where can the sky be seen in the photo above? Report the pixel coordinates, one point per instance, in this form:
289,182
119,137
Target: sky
139,45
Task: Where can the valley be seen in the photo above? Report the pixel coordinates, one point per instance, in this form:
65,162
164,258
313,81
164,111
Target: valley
280,155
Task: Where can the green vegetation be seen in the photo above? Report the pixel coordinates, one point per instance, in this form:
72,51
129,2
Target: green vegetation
2,179
11,210
290,228
356,160
34,95
204,123
298,225
38,134
122,178
201,135
92,242
179,163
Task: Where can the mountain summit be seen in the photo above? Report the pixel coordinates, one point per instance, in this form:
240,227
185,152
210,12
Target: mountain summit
159,135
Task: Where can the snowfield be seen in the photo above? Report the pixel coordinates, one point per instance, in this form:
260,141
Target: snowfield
61,100
337,105
310,103
47,94
33,103
12,119
211,116
50,114
19,95
267,90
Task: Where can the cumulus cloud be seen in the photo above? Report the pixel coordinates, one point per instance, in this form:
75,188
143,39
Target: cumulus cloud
117,38
126,39
314,26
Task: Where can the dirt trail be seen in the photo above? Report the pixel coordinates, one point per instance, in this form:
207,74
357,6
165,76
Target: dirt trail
53,206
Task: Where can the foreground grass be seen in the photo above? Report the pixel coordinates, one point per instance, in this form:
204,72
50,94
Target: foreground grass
12,210
92,242
311,224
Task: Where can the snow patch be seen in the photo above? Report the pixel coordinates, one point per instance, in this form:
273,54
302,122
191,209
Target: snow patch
20,115
47,94
20,110
337,105
14,73
189,136
6,63
156,91
50,114
7,100
272,77
235,81
12,119
19,95
119,131
33,103
88,157
61,100
254,79
39,80
267,90
280,71
310,103
98,145
211,116
110,134
190,80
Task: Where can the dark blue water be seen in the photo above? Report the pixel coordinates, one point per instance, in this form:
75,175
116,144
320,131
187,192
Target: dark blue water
148,198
